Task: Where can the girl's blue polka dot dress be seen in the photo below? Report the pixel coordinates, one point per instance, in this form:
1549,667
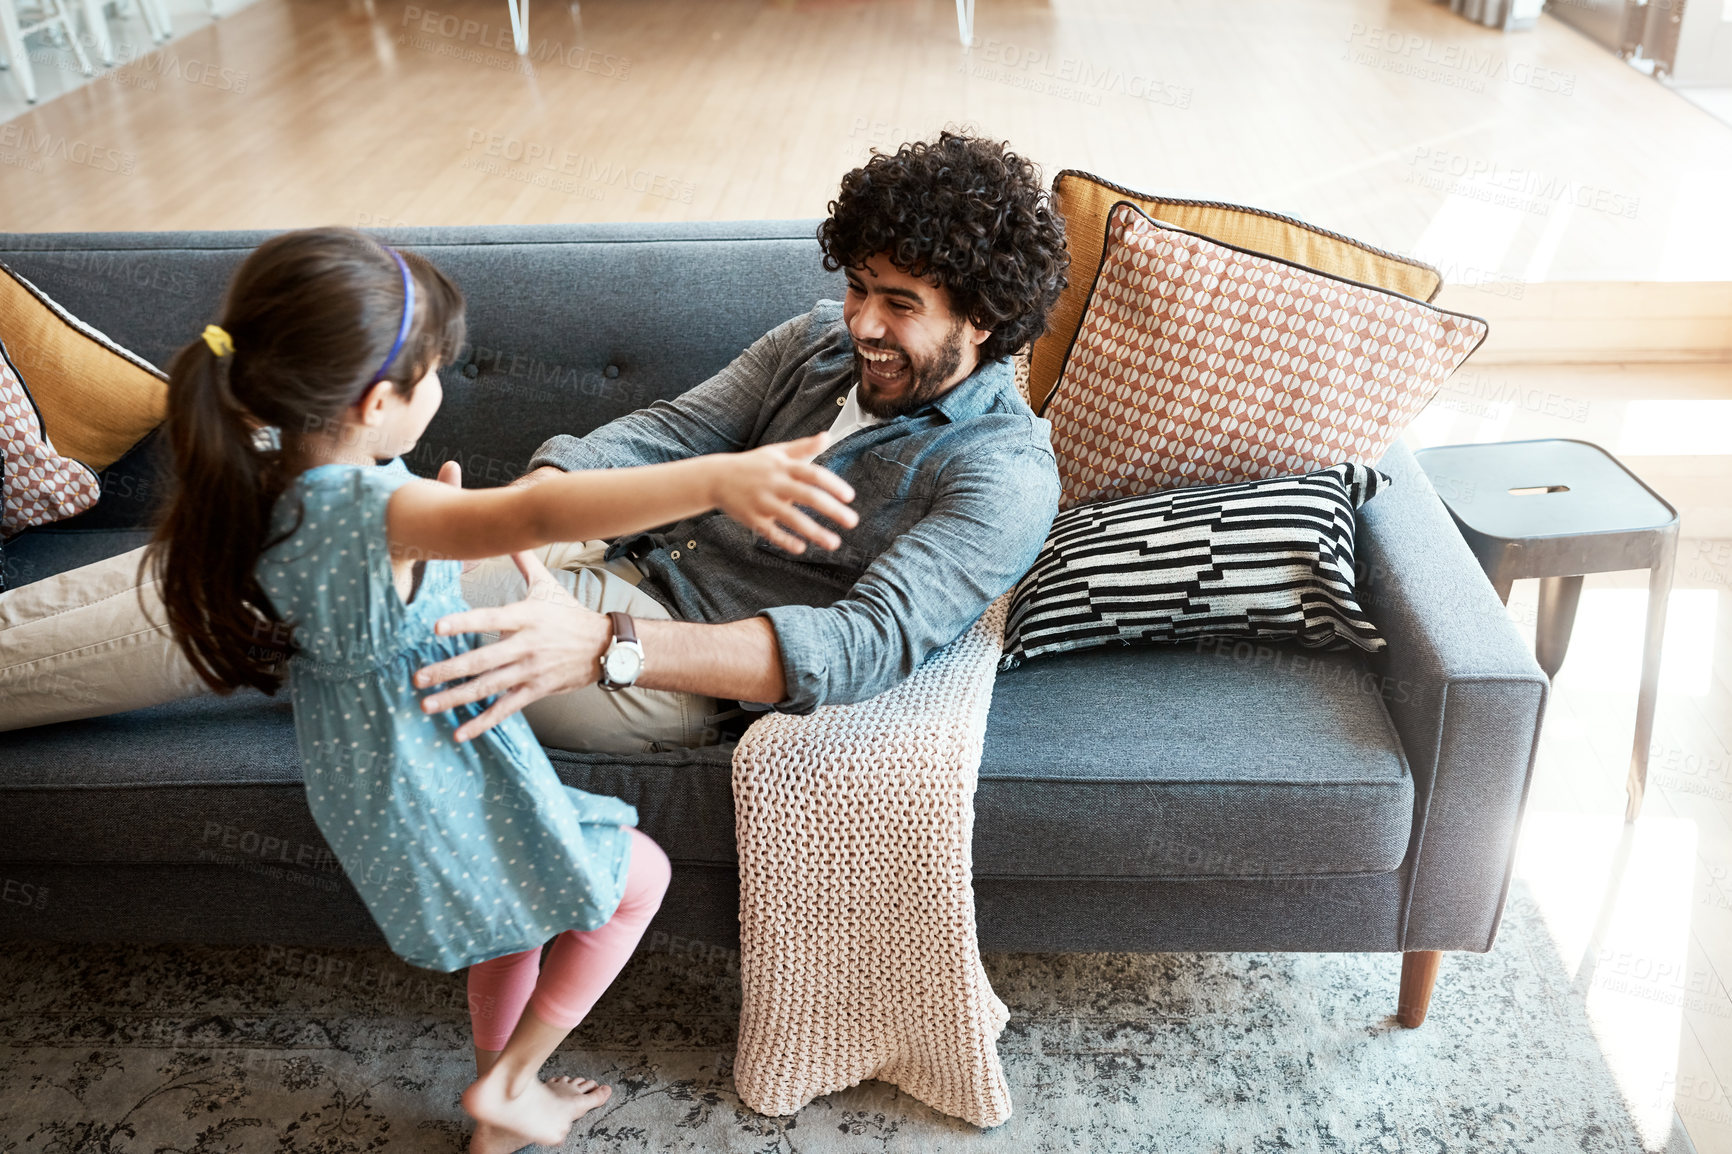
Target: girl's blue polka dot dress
461,852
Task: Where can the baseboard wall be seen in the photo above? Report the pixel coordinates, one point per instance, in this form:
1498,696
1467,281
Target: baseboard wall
1568,322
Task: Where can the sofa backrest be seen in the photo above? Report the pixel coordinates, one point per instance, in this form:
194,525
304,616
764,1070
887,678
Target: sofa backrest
570,325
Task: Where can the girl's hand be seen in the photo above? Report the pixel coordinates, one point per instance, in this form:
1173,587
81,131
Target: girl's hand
761,487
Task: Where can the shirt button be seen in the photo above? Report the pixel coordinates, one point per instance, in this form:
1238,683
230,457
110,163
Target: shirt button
675,554
691,544
841,401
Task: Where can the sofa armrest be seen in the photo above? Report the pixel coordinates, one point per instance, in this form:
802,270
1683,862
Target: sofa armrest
1467,698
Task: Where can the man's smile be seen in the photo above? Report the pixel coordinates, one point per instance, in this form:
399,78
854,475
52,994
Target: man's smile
882,368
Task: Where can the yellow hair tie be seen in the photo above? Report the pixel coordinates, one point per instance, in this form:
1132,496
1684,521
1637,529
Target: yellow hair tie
219,341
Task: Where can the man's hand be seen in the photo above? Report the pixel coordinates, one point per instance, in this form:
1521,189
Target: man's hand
549,644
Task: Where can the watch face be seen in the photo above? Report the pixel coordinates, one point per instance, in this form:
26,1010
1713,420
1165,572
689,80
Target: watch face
624,663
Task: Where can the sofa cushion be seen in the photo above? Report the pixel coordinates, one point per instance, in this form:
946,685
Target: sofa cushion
208,777
1100,764
1223,759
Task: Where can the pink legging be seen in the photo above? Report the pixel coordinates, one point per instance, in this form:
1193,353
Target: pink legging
581,964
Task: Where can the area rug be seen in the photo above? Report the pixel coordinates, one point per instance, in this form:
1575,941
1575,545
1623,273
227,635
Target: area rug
203,1050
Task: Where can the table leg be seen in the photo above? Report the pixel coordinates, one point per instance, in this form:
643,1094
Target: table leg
1559,597
157,19
68,22
1659,592
97,22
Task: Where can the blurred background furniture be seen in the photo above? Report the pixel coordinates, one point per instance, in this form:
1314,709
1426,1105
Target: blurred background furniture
18,22
1507,15
1687,42
96,24
155,13
1614,24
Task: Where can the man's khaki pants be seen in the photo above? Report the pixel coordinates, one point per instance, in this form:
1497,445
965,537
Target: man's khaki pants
94,641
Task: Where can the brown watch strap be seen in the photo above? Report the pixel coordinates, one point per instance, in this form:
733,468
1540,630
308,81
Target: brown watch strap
623,629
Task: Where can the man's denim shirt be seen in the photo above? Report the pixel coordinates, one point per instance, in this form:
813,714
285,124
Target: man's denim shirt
955,500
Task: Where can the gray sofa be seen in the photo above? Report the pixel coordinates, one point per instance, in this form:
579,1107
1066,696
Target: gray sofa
1232,797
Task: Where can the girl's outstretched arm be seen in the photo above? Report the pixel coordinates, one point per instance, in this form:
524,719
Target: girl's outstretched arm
758,488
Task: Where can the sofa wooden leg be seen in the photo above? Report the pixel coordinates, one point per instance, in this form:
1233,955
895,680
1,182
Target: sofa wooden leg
1418,972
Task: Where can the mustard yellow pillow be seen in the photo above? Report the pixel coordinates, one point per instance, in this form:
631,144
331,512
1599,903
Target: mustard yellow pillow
96,399
1085,202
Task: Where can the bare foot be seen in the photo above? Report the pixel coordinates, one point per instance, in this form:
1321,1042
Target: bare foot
570,1087
492,1140
541,1115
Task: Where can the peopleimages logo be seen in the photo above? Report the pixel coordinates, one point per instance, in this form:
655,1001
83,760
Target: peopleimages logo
1456,65
119,77
564,162
1069,77
1483,395
498,36
135,65
40,146
1526,189
167,63
143,273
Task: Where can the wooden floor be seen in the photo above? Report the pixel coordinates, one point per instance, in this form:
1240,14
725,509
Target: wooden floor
1535,156
1508,161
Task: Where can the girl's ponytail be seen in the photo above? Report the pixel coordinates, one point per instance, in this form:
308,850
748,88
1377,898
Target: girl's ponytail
309,318
208,547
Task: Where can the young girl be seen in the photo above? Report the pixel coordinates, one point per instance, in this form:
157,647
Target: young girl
467,854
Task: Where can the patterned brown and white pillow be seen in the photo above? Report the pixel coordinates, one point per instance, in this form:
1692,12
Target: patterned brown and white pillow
40,485
1198,363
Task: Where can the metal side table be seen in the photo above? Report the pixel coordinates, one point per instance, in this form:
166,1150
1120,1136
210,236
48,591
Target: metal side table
1556,510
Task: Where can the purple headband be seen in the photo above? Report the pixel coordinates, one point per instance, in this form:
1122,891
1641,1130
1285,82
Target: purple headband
408,315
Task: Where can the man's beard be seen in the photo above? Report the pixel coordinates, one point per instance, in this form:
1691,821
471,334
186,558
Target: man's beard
928,379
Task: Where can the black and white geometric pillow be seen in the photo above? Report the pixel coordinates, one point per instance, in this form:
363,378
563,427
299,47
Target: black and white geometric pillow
1268,560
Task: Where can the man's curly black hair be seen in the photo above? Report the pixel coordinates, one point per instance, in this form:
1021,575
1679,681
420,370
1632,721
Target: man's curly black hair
967,214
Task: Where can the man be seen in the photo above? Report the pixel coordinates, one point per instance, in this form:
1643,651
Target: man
953,260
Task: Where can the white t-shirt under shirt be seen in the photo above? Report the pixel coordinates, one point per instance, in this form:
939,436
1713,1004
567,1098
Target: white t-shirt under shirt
852,418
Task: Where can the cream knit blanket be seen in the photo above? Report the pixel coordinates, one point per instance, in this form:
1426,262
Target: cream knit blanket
858,951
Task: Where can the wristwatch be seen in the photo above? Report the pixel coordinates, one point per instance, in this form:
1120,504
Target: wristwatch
622,663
